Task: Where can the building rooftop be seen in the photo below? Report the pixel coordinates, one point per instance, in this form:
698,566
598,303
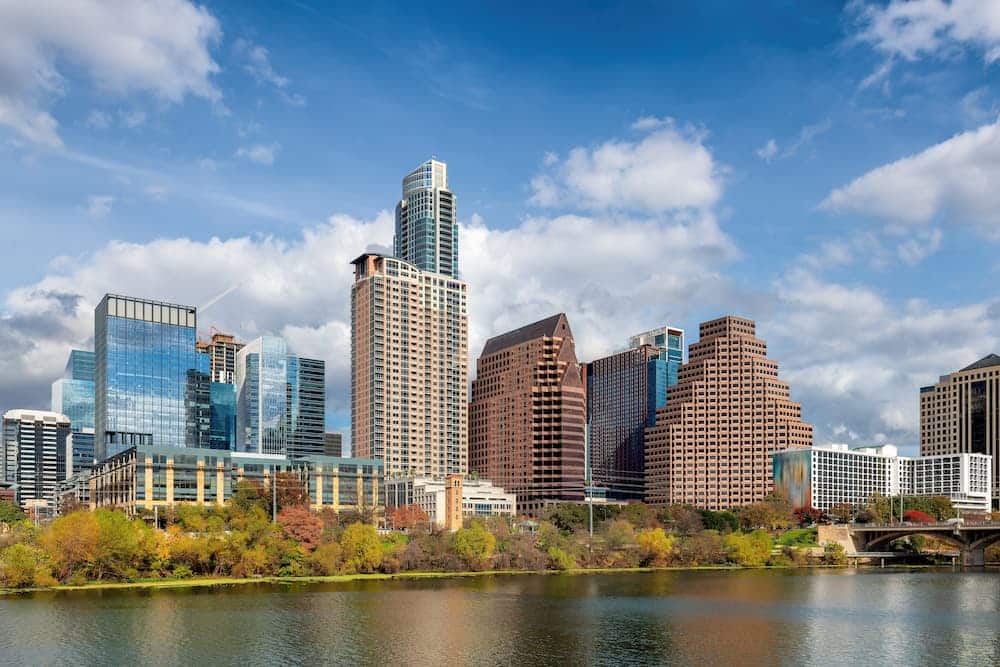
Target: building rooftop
986,362
547,327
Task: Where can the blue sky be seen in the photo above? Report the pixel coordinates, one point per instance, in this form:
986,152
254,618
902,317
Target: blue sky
827,169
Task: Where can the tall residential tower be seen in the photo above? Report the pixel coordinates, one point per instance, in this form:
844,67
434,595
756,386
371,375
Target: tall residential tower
427,222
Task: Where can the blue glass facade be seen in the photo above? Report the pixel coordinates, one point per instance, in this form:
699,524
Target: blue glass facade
281,400
73,396
222,396
151,385
426,233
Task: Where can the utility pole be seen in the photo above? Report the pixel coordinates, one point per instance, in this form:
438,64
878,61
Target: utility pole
588,489
274,493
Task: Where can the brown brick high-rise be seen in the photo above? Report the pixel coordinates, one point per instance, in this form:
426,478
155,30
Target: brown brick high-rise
712,443
527,415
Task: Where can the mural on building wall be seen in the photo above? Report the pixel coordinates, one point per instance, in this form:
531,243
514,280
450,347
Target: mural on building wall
793,477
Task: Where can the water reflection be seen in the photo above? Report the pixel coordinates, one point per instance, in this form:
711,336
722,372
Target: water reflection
675,618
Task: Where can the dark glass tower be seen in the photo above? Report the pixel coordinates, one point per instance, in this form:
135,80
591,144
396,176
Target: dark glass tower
151,387
426,220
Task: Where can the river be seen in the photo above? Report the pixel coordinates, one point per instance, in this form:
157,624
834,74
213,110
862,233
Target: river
788,617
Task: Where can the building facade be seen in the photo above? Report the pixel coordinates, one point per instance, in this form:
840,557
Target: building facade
712,443
151,387
73,396
280,400
427,221
146,477
624,391
333,444
34,446
448,501
221,351
528,413
828,475
409,367
961,414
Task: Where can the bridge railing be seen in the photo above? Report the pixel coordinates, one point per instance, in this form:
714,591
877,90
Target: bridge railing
934,524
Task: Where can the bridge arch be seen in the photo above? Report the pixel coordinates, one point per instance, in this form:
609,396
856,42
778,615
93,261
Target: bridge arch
986,541
888,538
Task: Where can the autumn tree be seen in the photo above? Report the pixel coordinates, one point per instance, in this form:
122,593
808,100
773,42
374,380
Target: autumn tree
408,517
655,546
749,550
72,541
361,548
25,565
247,494
299,524
291,489
842,512
474,545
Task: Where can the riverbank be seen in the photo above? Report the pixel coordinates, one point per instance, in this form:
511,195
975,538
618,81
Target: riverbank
212,582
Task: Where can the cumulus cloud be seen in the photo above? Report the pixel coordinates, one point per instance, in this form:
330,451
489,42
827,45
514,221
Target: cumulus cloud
161,47
669,168
259,153
954,181
855,358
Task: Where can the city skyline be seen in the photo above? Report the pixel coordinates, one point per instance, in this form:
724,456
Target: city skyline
828,175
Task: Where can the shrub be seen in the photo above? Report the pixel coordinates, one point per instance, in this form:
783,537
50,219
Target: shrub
361,548
24,566
916,516
560,560
325,560
833,554
655,546
474,545
749,550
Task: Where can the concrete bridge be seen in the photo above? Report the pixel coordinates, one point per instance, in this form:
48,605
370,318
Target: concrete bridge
859,539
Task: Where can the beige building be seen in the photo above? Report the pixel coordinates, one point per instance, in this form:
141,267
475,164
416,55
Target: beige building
449,501
712,443
961,414
222,350
409,367
528,413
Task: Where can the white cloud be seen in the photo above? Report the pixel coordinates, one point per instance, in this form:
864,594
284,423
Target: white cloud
768,150
923,244
917,28
668,169
159,47
99,206
99,120
954,181
856,360
550,158
132,118
259,153
258,65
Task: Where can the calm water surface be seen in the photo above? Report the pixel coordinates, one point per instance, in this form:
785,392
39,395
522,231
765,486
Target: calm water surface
672,618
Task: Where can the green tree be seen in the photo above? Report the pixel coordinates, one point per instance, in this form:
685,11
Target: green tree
722,521
833,554
474,545
10,513
123,545
248,494
560,560
842,512
361,548
655,546
25,565
749,549
326,559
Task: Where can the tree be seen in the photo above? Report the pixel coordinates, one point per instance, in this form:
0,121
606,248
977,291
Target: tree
769,515
655,546
408,517
723,521
682,519
916,516
361,548
247,494
123,545
878,509
299,524
474,545
807,516
326,559
618,534
71,542
10,513
560,560
291,489
749,550
24,565
834,554
842,512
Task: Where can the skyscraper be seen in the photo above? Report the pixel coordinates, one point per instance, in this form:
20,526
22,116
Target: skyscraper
961,414
73,396
427,221
280,400
221,351
624,390
527,414
151,387
409,367
34,444
712,443
333,444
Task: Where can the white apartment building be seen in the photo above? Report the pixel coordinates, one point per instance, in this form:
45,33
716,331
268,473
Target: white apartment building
480,498
828,475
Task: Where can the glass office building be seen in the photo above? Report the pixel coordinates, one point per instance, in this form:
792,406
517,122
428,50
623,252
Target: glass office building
223,416
280,400
151,386
73,396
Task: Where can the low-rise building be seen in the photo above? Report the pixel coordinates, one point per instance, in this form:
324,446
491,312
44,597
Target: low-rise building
73,493
828,475
442,498
145,477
